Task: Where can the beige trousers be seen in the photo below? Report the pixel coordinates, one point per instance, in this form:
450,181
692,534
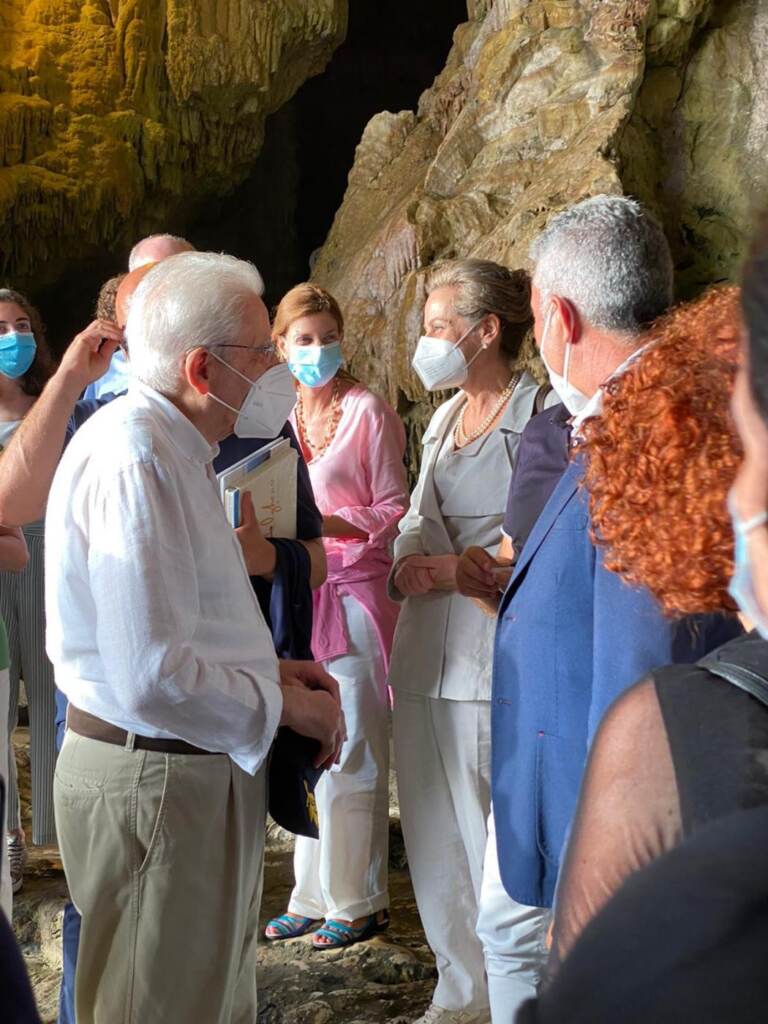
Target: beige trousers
163,855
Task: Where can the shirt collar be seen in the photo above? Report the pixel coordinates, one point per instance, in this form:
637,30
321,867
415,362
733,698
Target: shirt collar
180,429
594,406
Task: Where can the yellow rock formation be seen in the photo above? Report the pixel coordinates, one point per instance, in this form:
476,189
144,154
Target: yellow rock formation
114,111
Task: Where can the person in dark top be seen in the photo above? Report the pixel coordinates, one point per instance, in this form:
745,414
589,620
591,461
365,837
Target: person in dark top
683,940
542,459
684,746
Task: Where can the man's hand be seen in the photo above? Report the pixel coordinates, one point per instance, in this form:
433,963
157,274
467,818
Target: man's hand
480,575
309,675
89,355
260,556
418,574
312,707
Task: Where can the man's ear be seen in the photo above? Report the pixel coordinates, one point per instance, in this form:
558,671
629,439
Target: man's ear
196,370
568,316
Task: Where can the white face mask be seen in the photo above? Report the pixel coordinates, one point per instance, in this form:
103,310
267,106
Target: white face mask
268,403
440,364
573,399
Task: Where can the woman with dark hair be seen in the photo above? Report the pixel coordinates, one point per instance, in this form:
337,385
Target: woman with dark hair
25,366
685,746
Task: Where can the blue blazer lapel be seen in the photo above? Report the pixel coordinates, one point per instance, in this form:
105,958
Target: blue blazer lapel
561,495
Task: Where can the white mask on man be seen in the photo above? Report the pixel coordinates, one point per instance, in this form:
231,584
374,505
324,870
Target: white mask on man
574,400
268,403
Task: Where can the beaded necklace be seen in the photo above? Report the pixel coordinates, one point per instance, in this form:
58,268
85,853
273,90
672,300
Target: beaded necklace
331,424
460,438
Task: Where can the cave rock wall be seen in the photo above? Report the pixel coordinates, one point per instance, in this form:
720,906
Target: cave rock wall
115,114
542,103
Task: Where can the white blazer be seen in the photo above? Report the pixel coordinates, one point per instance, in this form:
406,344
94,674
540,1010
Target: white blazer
443,644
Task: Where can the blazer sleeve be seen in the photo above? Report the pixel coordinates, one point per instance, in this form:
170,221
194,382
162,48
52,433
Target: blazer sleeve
408,542
631,638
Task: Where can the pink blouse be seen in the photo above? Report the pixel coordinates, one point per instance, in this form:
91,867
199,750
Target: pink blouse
360,477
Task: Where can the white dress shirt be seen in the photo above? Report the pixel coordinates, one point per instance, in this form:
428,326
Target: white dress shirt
152,621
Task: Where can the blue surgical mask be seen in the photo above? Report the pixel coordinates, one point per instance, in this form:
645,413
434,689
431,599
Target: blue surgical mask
314,365
741,587
17,353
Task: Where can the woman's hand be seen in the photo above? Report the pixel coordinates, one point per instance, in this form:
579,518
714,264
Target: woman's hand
338,527
260,556
418,574
479,575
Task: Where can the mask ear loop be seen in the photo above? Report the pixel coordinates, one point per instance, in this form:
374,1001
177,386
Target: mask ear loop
545,329
466,335
567,360
752,524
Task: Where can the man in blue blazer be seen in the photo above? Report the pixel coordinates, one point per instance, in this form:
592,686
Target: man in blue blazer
570,635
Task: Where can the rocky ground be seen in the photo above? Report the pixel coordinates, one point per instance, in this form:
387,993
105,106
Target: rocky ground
388,979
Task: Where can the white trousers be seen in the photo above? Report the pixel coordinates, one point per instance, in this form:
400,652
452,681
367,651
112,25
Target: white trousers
343,874
513,938
6,893
442,754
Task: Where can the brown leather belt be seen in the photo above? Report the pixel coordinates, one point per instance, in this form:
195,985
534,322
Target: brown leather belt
94,728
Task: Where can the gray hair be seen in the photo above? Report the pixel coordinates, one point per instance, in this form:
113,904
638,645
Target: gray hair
610,258
174,243
484,287
192,300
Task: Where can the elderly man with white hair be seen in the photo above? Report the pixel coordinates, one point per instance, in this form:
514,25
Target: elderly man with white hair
158,642
571,636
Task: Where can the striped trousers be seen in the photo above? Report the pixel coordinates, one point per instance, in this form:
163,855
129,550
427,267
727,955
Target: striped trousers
22,606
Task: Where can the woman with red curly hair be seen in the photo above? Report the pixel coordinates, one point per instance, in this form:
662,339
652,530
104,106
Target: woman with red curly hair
680,748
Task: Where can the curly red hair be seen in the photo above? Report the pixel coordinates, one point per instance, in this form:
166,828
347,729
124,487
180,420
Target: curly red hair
662,457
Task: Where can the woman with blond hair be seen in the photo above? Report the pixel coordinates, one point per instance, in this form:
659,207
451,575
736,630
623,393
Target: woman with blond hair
353,443
477,317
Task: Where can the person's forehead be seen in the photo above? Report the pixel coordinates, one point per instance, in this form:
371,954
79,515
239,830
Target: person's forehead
314,323
10,312
256,319
439,304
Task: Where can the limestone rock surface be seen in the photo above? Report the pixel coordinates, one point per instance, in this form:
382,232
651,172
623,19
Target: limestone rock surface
542,103
116,113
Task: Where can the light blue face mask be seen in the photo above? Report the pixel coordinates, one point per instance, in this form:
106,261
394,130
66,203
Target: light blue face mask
741,587
17,353
314,365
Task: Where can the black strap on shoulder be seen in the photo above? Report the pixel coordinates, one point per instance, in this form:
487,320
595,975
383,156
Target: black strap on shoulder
745,678
541,397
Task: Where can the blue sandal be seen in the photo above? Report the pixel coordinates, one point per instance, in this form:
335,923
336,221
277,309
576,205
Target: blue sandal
341,934
289,926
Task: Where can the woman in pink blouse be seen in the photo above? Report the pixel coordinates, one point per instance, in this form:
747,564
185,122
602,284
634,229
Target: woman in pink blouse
353,444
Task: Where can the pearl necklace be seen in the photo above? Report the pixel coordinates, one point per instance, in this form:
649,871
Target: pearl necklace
331,425
460,438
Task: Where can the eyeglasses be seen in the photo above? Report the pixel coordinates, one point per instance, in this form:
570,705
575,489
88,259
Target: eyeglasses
268,349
